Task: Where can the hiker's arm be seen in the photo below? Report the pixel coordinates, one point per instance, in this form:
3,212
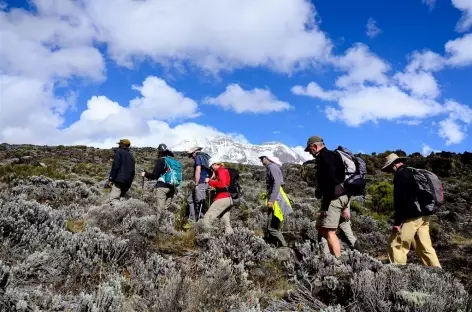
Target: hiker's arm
133,171
158,170
400,197
115,166
222,180
198,168
277,176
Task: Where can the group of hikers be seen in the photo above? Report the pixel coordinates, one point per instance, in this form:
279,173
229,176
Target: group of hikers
340,176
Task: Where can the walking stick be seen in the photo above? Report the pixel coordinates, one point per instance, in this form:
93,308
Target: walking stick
142,189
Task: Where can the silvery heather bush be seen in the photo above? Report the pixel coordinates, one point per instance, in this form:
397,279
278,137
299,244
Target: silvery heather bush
112,262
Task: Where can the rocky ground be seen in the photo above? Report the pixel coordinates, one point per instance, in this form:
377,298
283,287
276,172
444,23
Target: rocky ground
65,249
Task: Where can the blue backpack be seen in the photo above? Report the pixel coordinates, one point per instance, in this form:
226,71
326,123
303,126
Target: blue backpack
173,175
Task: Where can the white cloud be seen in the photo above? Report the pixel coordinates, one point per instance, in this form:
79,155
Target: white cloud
253,101
427,150
466,19
412,122
314,90
376,103
361,66
451,131
29,111
420,84
247,34
460,51
459,111
161,101
425,60
47,47
372,29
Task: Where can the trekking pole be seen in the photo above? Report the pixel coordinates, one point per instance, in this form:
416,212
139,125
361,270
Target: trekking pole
142,189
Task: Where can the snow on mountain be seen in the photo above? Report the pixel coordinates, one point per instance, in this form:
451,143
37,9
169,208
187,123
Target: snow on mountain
231,150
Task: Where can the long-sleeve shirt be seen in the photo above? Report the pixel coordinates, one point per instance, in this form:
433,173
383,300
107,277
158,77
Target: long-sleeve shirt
220,183
123,167
274,179
405,196
330,172
159,170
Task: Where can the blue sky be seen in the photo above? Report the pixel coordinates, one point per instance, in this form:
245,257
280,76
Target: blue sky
240,67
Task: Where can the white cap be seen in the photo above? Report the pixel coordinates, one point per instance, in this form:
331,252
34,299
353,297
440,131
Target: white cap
272,158
214,160
194,149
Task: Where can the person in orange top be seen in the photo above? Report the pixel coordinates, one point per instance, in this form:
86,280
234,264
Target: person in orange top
222,202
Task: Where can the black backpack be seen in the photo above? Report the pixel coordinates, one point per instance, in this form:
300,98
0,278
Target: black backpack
234,188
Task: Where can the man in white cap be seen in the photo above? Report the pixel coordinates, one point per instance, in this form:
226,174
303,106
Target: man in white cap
411,225
201,171
277,201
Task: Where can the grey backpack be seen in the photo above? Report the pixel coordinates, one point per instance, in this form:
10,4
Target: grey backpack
430,190
355,172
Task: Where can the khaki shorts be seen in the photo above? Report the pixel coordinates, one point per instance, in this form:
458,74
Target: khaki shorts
331,220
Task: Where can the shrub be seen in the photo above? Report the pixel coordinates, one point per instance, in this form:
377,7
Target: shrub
381,197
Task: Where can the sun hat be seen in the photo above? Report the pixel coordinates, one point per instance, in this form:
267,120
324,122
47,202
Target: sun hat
124,142
193,150
390,160
271,158
214,160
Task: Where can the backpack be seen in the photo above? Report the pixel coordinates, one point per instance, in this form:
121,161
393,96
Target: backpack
234,188
205,159
430,190
173,175
355,172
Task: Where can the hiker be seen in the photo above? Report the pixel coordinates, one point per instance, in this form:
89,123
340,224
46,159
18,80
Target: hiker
199,193
122,171
335,202
411,224
166,183
222,201
276,200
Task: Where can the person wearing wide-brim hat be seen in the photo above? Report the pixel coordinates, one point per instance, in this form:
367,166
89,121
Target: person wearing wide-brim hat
277,201
391,160
122,171
411,225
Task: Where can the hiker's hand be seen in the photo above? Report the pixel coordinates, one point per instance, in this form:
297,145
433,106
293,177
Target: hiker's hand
396,228
345,214
143,174
270,204
323,213
207,180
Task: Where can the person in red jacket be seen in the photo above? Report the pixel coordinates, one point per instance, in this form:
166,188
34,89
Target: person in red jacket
222,201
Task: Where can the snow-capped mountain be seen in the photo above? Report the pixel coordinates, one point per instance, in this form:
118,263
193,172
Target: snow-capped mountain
230,150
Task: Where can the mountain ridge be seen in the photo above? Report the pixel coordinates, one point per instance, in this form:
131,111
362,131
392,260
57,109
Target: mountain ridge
231,150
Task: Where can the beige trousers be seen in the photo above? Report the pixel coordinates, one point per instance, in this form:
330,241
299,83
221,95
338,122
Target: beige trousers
414,231
164,197
220,208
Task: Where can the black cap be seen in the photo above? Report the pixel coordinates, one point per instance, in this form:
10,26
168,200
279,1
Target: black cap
162,147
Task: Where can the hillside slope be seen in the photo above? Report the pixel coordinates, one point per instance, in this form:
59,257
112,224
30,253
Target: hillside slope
65,249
